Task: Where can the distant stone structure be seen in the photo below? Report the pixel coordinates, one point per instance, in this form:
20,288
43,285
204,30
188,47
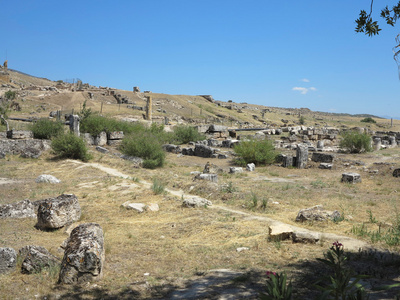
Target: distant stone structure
148,108
5,65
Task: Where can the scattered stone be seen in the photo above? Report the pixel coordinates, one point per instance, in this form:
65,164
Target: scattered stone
138,162
217,128
322,157
234,170
195,201
22,209
19,134
47,179
172,148
210,168
280,232
250,167
287,161
30,152
325,166
101,139
2,155
84,255
35,258
115,135
306,237
351,178
101,149
203,150
222,156
240,249
396,173
57,212
188,151
139,207
8,260
152,207
316,213
209,177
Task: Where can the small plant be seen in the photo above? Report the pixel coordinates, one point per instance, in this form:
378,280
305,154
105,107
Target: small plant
372,219
277,287
318,184
356,142
10,95
343,282
46,129
259,152
229,188
158,186
70,146
302,120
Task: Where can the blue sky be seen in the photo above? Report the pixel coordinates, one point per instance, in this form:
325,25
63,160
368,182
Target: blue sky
274,53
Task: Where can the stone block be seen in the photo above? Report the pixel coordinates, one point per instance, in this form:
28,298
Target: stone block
8,260
351,178
19,134
322,157
280,232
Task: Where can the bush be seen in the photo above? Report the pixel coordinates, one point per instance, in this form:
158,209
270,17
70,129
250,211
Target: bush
10,95
257,152
46,129
368,120
94,124
185,134
355,142
70,146
145,145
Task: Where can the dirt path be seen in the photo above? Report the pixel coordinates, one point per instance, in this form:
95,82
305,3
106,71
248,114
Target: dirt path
351,243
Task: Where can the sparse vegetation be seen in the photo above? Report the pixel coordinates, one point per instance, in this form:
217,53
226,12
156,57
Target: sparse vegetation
259,152
145,145
46,129
185,134
70,146
158,186
356,142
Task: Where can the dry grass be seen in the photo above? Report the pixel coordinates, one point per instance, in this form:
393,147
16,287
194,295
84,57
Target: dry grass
177,243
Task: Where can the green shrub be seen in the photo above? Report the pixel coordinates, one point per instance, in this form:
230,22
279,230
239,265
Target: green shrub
70,146
94,124
10,95
158,186
368,120
254,151
356,142
46,129
185,134
145,145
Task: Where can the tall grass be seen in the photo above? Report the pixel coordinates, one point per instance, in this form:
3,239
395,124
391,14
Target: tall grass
254,151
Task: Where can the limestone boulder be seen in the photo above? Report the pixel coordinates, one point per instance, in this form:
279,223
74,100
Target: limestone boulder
280,232
84,255
317,213
8,260
209,177
47,179
351,178
57,212
234,170
35,258
250,167
195,201
203,150
22,209
139,207
306,237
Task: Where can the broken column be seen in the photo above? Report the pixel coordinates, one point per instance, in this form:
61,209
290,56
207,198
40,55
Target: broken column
301,156
377,143
148,108
392,141
74,124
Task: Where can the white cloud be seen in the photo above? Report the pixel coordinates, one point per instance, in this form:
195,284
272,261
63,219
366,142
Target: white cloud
304,90
305,80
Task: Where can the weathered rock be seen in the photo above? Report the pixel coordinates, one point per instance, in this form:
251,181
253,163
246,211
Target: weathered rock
101,139
287,161
30,152
138,161
396,173
8,260
222,156
84,255
229,143
139,207
217,128
325,166
172,148
214,143
195,201
211,168
19,134
115,135
22,209
56,212
234,170
351,178
101,149
250,167
47,179
301,156
306,237
316,213
2,155
26,148
74,124
280,232
203,151
35,258
209,177
188,151
322,157
377,143
152,207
